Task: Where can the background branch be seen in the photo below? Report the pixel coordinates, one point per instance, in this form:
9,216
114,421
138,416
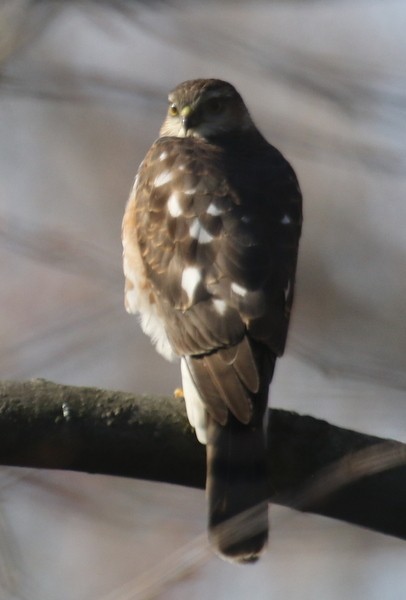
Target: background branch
314,465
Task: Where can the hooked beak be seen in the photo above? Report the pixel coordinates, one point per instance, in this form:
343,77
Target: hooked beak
186,117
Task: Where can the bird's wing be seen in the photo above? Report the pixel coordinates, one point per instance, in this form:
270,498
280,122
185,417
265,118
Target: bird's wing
218,255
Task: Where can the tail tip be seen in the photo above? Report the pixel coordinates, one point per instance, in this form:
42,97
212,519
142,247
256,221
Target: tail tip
239,558
241,551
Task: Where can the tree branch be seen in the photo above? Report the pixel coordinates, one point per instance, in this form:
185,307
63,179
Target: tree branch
314,466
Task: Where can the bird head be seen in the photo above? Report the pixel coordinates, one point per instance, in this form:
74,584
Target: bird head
205,108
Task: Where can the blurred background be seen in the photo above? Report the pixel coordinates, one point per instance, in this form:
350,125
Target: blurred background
83,89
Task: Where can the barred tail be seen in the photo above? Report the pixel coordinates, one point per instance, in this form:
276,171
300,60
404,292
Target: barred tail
237,485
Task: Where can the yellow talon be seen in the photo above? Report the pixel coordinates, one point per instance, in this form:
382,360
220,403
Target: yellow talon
178,393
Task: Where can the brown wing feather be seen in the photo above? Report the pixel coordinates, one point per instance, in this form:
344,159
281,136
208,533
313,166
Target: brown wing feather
218,239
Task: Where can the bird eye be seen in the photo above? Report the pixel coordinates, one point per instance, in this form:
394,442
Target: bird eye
173,110
215,106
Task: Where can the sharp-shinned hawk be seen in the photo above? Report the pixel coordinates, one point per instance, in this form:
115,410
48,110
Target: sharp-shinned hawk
210,236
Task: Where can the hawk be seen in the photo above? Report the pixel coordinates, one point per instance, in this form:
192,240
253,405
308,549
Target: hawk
210,238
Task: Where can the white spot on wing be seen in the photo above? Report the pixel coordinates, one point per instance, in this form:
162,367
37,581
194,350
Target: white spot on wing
191,277
162,178
174,207
199,233
220,306
190,191
239,289
163,155
286,220
66,411
214,210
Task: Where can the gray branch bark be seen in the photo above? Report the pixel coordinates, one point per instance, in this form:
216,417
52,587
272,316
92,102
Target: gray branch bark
314,466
